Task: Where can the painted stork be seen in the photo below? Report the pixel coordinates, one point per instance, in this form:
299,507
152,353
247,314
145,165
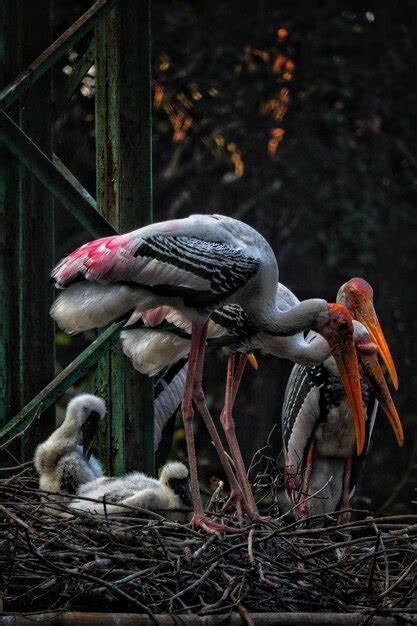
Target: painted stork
194,265
319,442
64,461
230,329
170,491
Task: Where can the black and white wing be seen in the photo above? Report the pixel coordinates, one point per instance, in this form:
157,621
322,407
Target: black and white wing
300,413
200,272
169,392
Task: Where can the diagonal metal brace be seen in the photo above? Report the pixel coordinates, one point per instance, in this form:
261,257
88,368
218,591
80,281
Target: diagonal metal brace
73,372
73,196
55,51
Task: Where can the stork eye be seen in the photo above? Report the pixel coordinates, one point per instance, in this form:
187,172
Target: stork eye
343,325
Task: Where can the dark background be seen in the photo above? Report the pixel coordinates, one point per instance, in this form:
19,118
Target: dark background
299,118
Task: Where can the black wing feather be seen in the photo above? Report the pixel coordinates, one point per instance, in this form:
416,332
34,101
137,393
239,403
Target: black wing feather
303,380
226,268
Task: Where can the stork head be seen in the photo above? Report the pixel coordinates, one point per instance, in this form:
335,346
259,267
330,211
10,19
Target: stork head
368,356
84,413
175,479
358,297
338,332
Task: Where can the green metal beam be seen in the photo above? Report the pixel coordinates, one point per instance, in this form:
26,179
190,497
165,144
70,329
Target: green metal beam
55,51
69,176
36,231
29,228
9,200
73,372
72,196
124,196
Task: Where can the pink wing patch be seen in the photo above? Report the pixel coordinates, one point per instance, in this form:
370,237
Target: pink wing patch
154,317
96,258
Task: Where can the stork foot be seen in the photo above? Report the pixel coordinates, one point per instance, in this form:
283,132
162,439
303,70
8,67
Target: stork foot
237,498
344,517
201,522
267,520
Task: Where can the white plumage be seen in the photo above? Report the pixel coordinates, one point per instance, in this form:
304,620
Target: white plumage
152,349
318,435
192,265
60,460
171,491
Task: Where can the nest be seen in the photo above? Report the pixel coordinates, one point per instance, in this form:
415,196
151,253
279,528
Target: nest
143,563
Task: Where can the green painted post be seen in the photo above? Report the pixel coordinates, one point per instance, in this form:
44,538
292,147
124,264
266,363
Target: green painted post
9,186
28,231
124,196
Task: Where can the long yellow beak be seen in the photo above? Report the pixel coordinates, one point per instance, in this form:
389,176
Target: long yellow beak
365,313
344,354
376,379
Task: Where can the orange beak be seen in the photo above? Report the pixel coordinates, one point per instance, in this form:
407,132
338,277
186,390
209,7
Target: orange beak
339,335
345,356
359,301
366,314
376,379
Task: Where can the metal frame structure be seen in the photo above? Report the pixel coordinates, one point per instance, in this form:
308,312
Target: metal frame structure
32,178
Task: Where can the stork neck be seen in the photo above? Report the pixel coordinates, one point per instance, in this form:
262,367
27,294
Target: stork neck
309,314
309,351
313,352
68,430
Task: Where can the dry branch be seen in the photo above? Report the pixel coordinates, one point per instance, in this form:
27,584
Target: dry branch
145,564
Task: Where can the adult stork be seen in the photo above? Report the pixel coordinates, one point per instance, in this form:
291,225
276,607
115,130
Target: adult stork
317,434
194,265
231,330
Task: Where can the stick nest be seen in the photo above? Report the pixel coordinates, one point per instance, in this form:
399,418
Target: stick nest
147,564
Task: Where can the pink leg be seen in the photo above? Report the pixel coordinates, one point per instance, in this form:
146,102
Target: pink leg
301,511
238,375
198,337
228,424
291,481
344,517
199,399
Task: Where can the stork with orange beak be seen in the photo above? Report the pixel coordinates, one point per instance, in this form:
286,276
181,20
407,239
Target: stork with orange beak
231,329
318,436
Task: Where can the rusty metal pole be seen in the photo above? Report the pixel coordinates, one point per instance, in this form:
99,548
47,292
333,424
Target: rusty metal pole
124,197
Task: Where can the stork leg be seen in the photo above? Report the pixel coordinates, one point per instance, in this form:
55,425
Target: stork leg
236,384
236,494
301,510
198,338
345,515
238,375
228,424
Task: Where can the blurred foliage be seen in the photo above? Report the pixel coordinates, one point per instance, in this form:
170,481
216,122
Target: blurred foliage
299,119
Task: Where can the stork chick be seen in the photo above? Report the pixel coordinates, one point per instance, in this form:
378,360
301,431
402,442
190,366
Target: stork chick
62,462
171,491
